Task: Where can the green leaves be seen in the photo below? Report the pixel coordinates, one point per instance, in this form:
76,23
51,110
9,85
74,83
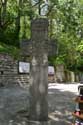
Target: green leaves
10,50
66,18
80,47
66,25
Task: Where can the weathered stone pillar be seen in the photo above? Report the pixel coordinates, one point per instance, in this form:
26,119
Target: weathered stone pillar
39,71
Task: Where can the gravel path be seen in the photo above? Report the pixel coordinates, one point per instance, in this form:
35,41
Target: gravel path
60,101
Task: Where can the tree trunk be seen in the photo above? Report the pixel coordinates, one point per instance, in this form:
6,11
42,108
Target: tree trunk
17,31
39,7
4,7
51,28
24,29
3,11
0,12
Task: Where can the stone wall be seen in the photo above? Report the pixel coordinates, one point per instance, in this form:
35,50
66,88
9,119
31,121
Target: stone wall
60,74
64,75
9,71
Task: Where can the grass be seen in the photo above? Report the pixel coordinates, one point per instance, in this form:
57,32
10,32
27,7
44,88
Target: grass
11,50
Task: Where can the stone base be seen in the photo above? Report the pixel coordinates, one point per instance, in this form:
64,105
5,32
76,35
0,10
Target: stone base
29,122
25,121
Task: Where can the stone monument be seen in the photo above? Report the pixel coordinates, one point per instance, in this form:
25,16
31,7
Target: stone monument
38,47
39,71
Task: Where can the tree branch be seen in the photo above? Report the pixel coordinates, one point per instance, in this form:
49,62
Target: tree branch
36,4
5,25
50,9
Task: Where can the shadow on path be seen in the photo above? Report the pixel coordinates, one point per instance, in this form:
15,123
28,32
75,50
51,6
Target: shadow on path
14,98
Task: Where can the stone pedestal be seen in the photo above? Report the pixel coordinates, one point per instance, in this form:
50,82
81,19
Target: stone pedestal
39,123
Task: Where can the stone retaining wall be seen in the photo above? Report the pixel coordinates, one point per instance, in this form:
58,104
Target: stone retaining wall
9,71
64,75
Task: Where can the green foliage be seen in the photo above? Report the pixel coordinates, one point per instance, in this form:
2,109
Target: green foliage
66,25
66,19
60,60
57,60
80,47
11,50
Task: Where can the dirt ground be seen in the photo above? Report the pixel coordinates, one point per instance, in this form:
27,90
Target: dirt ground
14,99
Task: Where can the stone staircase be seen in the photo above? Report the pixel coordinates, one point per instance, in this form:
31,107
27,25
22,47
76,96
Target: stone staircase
23,80
9,73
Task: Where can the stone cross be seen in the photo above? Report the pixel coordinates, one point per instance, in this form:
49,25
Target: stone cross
39,70
38,47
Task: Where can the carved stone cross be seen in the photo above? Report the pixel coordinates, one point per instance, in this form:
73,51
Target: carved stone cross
39,70
38,48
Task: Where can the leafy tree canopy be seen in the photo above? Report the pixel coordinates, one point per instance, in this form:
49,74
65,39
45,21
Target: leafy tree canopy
65,24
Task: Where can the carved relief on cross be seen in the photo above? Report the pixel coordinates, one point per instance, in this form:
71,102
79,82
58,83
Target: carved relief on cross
39,38
39,46
30,47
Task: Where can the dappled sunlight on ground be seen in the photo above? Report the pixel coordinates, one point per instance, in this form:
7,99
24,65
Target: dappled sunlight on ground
64,87
60,117
61,103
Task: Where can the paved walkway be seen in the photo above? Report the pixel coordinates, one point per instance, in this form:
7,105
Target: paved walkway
60,100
